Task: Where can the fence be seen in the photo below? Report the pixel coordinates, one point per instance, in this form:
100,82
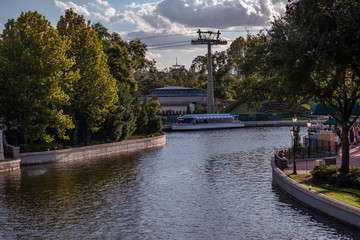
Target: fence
310,149
313,148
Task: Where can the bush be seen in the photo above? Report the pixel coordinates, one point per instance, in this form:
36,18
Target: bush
326,173
39,147
330,174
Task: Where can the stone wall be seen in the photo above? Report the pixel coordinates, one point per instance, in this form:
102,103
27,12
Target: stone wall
94,151
317,201
9,165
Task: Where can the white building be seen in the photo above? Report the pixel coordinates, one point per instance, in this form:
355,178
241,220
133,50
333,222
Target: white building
177,99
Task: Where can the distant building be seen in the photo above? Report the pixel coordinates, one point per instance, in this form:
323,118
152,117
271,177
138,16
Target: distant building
177,99
177,67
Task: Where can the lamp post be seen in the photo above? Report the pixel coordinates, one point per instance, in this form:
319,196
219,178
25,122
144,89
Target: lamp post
294,135
308,124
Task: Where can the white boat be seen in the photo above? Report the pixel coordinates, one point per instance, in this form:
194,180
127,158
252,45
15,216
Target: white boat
206,121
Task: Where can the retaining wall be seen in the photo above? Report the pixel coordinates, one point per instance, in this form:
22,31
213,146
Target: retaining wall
9,165
319,202
95,151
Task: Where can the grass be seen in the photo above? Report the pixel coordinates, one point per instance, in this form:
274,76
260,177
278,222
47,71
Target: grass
347,195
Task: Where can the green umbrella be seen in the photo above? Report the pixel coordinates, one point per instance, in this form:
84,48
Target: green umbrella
331,121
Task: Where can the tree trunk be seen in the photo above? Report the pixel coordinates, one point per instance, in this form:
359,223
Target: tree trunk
345,150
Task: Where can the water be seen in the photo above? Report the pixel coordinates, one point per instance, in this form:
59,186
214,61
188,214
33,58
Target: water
201,185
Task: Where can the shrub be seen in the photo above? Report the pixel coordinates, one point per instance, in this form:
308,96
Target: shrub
326,173
330,174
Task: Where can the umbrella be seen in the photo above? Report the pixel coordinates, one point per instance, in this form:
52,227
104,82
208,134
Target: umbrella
331,121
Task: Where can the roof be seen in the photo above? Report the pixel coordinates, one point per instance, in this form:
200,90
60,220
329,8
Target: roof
175,91
320,110
200,116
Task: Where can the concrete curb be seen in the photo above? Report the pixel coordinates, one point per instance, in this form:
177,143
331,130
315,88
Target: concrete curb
317,201
95,151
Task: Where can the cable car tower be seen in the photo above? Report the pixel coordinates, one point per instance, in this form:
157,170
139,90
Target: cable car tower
210,38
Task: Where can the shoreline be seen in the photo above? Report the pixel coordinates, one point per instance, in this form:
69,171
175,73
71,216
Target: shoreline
81,153
92,151
330,207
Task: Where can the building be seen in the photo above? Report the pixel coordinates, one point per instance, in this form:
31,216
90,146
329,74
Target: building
177,99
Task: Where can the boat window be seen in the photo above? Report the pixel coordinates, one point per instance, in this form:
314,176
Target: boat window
181,120
189,120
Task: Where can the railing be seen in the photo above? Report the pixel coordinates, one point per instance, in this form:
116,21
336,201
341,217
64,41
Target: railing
311,149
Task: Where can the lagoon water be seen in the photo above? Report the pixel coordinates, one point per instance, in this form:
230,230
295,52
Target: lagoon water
201,185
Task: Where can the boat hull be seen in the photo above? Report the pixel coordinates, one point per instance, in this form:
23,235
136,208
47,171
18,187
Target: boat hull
205,126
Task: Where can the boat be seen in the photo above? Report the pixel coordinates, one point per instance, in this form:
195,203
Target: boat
206,121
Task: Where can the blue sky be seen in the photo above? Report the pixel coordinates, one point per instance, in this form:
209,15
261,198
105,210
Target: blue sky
166,26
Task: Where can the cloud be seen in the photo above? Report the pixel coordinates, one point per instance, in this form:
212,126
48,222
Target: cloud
174,16
105,3
78,9
180,15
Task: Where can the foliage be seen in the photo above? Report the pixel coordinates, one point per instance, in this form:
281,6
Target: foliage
330,174
35,78
311,53
120,124
148,122
94,96
326,173
225,86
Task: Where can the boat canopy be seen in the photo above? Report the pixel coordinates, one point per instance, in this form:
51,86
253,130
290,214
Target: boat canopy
207,116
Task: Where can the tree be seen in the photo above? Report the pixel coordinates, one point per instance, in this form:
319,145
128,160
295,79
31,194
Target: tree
224,84
94,95
34,77
313,52
148,79
122,122
148,122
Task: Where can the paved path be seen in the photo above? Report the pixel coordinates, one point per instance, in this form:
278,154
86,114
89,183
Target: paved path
306,165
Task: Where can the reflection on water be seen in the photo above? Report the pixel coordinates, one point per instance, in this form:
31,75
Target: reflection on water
201,185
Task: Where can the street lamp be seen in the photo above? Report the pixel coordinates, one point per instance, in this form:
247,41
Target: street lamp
308,124
294,135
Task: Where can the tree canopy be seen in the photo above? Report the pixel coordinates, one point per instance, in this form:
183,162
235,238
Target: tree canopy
35,78
94,95
311,53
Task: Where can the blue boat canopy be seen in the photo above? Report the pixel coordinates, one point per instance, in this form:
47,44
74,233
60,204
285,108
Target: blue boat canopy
207,116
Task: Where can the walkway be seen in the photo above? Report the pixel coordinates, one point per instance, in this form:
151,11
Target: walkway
306,165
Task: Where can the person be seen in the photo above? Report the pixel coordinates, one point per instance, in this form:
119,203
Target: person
338,131
337,142
357,136
351,136
282,156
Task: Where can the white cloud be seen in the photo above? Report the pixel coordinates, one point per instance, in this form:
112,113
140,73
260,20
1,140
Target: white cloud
152,55
110,12
78,9
105,3
134,5
175,16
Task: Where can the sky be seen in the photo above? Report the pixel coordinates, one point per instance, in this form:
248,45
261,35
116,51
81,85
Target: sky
165,26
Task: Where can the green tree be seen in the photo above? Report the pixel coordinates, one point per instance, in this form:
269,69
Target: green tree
122,122
34,78
313,52
199,69
148,79
224,85
94,95
148,121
